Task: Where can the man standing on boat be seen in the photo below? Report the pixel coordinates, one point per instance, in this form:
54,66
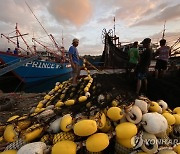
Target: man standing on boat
163,54
143,65
16,51
74,59
133,55
9,50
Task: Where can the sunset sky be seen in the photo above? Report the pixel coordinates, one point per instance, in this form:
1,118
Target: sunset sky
85,20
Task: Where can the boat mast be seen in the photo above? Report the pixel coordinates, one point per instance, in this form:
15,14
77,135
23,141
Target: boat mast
164,29
116,39
17,36
18,32
9,39
34,46
114,27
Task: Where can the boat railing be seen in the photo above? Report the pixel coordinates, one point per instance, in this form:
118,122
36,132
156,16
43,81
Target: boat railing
11,62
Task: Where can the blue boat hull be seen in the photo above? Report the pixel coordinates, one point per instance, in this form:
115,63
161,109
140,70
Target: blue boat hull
37,70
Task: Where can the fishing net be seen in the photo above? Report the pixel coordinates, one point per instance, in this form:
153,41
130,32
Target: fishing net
110,86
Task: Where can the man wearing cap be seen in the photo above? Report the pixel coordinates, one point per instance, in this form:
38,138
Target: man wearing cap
74,59
143,65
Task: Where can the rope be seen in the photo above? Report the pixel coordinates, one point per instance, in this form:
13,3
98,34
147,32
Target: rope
85,60
94,66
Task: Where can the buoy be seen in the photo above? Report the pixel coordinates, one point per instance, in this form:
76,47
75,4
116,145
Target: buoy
65,122
170,118
30,136
128,143
10,135
97,142
154,107
82,99
85,127
64,147
69,102
150,144
115,113
177,119
35,147
126,130
134,115
162,104
151,120
55,126
9,152
142,105
176,110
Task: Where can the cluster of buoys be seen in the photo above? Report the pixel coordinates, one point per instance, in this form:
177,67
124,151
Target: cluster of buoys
70,119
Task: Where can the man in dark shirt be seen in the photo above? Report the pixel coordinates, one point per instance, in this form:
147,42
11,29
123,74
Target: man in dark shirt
144,63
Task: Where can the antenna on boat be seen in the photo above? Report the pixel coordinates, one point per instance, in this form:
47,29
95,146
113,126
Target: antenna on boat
164,29
114,26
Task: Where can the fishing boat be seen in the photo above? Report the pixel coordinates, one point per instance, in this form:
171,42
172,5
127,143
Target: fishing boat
34,71
32,67
115,53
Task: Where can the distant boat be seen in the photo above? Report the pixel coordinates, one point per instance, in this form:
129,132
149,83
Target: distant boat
34,68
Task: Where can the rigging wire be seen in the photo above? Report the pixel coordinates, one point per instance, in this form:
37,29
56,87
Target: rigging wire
50,36
11,32
36,18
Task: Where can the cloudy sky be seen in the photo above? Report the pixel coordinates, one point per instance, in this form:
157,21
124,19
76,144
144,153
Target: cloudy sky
85,19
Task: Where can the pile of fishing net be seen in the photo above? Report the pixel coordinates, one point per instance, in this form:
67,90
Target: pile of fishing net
99,115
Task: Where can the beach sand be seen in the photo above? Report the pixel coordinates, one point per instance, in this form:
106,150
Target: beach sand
20,103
